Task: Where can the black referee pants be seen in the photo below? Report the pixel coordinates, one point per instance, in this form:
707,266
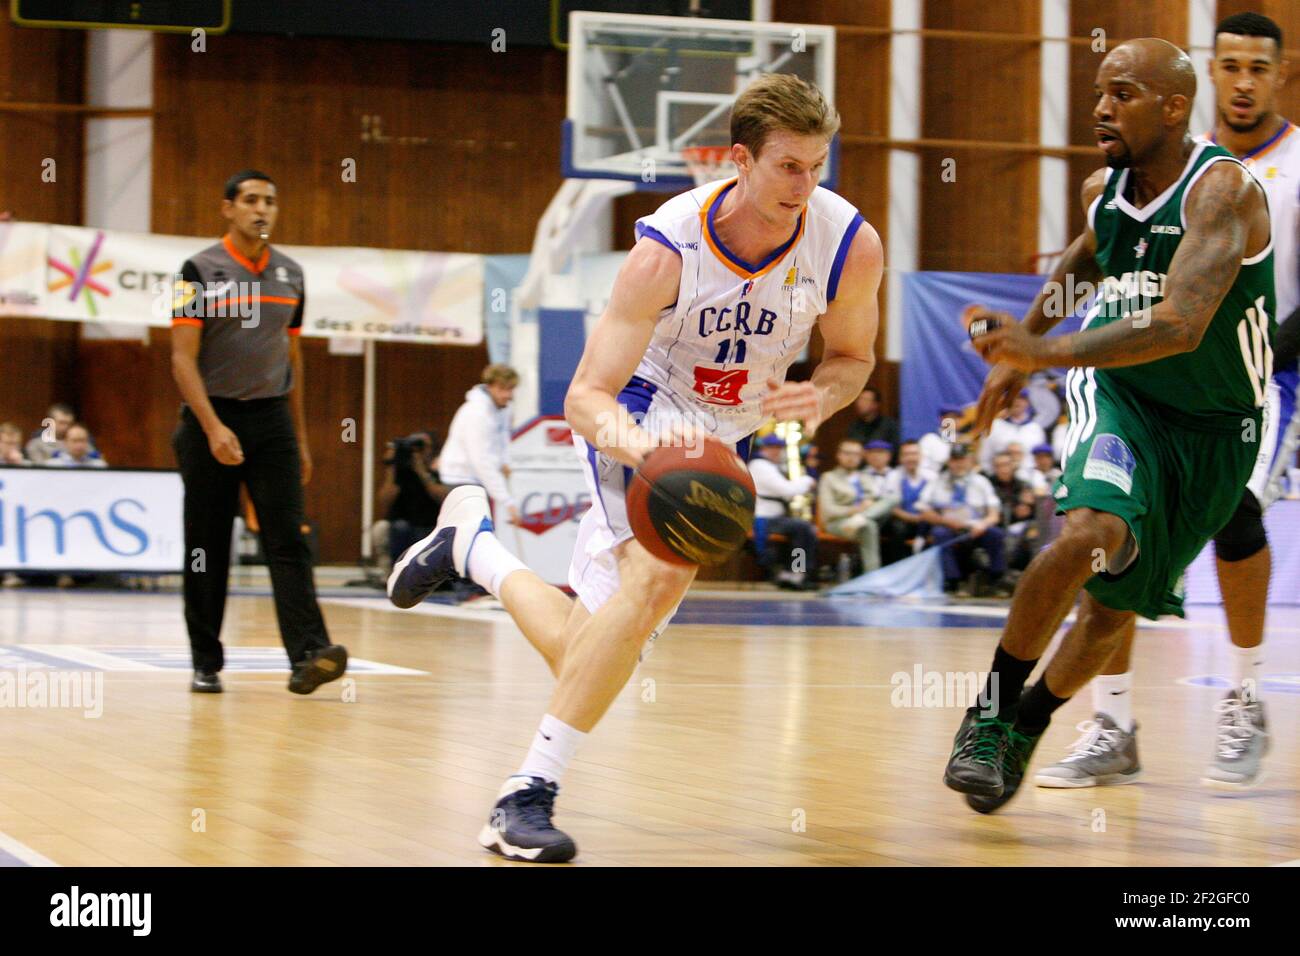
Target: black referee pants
272,473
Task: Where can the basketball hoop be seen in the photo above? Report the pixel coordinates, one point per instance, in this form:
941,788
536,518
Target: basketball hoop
709,163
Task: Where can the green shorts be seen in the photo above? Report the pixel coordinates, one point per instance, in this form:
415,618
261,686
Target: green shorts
1174,483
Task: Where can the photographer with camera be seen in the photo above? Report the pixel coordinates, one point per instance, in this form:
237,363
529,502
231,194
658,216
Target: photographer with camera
412,493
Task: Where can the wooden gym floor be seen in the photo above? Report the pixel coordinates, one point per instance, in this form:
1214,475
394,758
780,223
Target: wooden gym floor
760,732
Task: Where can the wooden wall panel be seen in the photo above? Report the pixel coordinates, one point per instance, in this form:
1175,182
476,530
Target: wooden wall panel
467,161
38,361
41,66
38,358
987,219
471,159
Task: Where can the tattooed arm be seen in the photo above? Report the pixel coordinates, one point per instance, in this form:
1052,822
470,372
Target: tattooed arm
1077,270
1224,211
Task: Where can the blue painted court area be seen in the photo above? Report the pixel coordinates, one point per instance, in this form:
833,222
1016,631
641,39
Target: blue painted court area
830,612
156,657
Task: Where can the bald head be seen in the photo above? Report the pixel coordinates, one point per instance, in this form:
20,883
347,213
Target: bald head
1144,91
1156,64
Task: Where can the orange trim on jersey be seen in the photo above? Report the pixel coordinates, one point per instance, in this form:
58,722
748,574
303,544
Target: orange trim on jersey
293,331
284,300
1248,158
1290,128
244,260
722,256
198,322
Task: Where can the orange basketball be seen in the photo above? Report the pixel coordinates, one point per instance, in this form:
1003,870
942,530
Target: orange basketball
691,504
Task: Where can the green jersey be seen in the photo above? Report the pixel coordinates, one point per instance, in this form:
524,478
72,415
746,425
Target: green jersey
1222,381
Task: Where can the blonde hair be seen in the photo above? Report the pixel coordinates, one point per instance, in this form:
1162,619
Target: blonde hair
780,101
500,374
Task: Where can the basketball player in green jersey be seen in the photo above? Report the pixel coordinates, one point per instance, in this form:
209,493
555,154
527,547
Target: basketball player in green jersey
1166,391
1248,74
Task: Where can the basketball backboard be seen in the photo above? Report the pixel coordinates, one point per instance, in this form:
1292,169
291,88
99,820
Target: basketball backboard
642,88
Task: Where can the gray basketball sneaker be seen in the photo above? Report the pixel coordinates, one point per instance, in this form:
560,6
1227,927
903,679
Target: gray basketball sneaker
1105,756
1242,741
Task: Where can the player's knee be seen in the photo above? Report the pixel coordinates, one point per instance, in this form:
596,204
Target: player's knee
1244,535
1089,535
658,585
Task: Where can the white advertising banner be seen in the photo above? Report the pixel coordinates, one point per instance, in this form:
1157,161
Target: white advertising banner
99,275
546,480
91,519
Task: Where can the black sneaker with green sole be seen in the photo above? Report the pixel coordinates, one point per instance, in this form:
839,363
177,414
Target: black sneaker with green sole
1017,748
974,767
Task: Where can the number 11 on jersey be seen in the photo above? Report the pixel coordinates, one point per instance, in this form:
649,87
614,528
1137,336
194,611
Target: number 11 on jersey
724,347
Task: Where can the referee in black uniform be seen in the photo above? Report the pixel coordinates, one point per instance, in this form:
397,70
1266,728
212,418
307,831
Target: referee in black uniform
236,314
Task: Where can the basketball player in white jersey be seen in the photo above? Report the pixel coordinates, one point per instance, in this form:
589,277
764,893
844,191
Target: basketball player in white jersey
714,303
1247,70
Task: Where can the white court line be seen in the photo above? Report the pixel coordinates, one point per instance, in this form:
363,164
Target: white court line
490,611
23,852
94,659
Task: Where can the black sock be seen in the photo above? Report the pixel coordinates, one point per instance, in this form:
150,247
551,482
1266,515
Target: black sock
1036,709
1011,673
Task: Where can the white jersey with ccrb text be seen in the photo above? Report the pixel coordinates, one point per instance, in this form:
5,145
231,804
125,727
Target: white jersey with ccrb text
736,324
1276,164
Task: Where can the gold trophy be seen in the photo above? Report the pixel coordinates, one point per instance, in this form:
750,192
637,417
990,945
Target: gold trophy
792,432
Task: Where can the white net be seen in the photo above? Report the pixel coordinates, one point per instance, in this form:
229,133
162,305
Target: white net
709,163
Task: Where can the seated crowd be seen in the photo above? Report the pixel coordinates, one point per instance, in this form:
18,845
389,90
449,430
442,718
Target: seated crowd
60,442
989,504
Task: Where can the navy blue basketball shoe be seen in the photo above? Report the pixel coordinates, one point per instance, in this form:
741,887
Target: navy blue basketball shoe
444,553
520,827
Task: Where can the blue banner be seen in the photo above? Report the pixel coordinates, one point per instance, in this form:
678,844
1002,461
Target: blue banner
939,366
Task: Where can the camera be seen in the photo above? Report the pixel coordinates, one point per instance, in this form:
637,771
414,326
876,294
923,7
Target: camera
401,450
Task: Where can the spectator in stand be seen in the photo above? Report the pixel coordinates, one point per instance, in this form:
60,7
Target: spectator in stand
906,482
871,424
11,445
935,446
54,427
77,451
961,504
412,493
774,491
478,440
1045,467
812,461
1008,486
1023,534
852,501
1023,468
1017,426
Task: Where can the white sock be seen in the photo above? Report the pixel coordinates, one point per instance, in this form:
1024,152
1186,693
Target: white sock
1248,669
490,563
1112,695
553,747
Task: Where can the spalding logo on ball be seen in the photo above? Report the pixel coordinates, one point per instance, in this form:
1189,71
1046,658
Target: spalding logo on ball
976,327
692,504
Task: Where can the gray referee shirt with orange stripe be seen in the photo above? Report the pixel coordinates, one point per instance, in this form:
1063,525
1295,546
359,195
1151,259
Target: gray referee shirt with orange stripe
247,311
